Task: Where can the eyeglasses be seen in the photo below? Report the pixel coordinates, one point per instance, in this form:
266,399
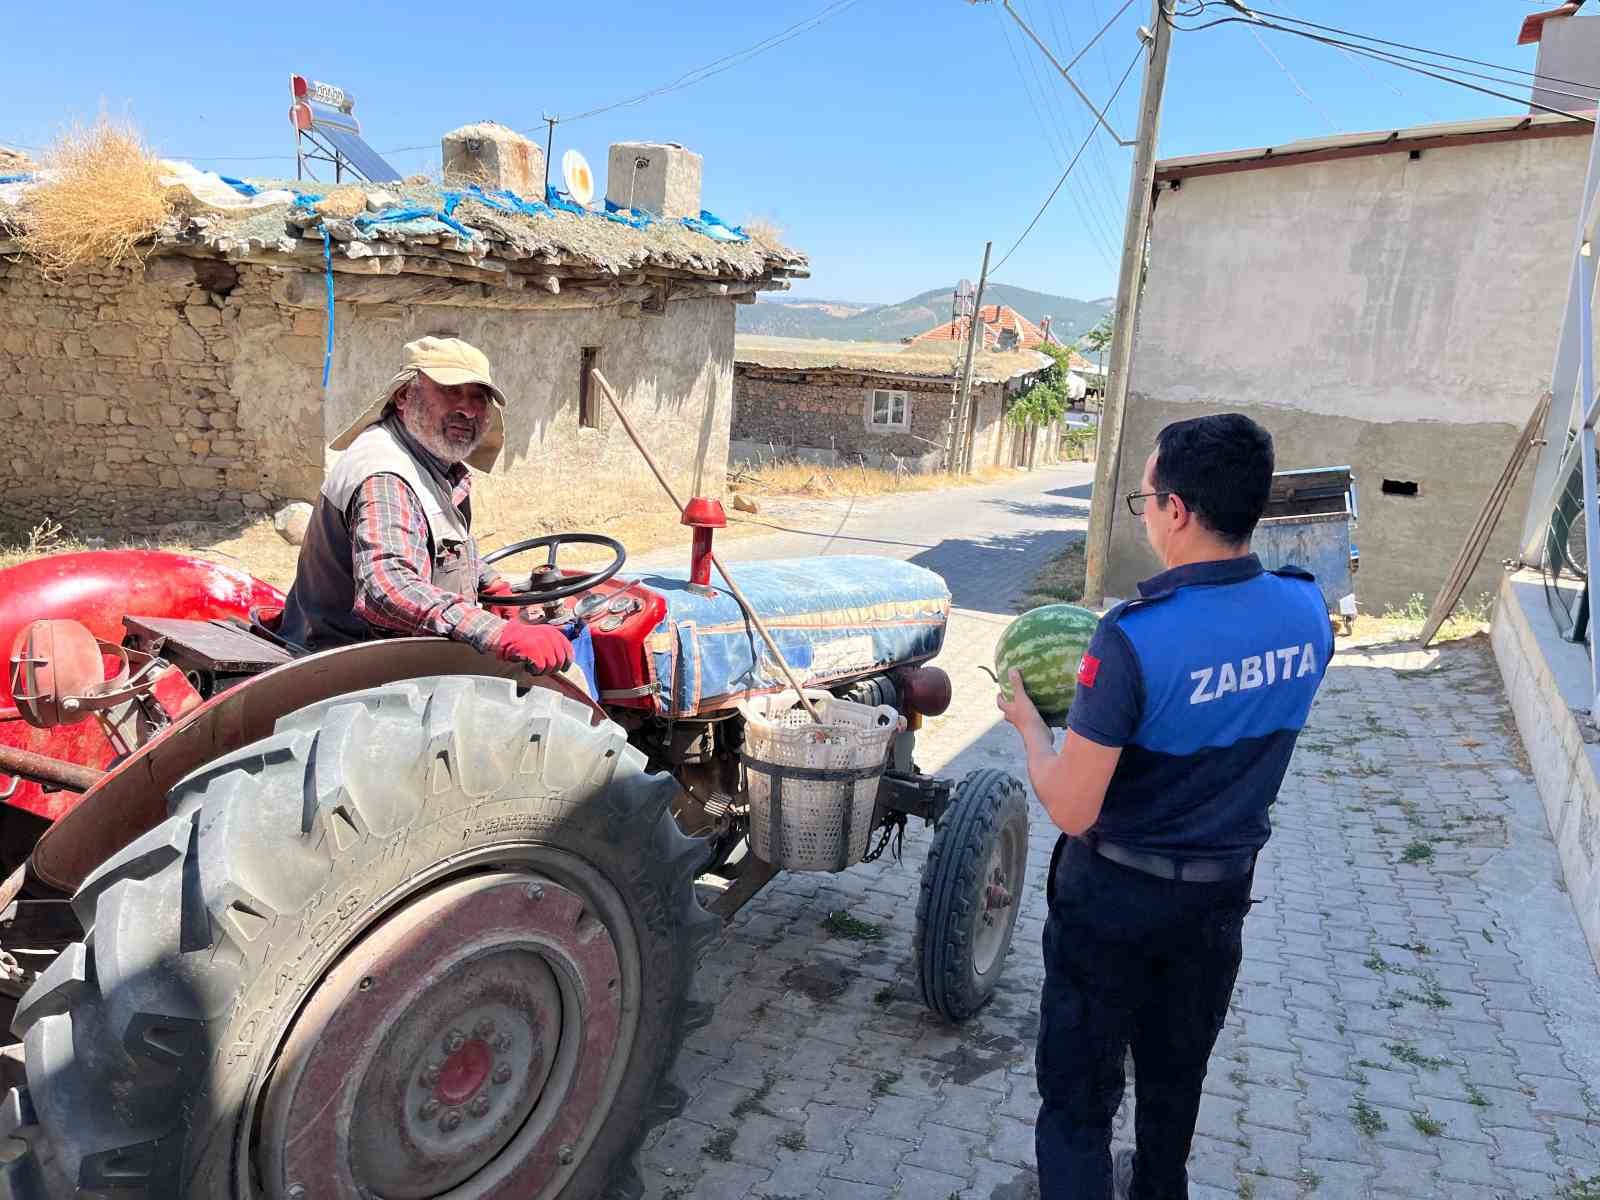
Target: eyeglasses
1136,500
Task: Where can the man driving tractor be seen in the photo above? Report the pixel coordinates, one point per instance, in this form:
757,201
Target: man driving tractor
389,551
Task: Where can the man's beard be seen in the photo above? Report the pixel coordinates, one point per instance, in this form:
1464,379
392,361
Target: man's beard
448,441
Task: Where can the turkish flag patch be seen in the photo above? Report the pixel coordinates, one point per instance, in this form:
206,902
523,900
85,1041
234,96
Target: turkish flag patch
1088,669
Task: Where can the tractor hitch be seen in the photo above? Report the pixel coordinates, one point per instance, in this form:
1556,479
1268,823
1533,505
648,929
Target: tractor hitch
914,794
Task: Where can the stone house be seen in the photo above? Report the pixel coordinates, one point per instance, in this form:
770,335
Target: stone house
189,385
885,405
1387,301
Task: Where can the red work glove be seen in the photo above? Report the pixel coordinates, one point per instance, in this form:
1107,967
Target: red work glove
506,612
544,648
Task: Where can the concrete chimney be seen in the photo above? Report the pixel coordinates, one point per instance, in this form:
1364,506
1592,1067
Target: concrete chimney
493,157
661,178
1569,49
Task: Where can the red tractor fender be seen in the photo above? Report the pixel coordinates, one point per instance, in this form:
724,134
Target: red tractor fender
97,588
132,798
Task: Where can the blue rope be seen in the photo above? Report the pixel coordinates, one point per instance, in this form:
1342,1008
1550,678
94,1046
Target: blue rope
25,177
327,354
240,186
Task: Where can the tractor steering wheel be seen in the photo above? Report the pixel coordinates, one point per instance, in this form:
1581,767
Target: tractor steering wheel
547,584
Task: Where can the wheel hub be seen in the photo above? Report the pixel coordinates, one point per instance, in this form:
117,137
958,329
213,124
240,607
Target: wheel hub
996,902
461,1044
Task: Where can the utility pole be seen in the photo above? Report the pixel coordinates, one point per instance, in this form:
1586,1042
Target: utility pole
1130,279
959,402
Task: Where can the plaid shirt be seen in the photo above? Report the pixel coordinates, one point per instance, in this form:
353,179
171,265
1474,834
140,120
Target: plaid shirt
392,555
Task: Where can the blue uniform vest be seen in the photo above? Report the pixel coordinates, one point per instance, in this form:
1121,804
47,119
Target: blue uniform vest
1205,681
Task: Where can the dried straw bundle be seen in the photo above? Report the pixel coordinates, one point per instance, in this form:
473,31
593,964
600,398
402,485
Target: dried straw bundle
102,198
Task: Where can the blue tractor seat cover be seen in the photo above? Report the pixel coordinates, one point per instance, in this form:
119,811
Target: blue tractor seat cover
834,618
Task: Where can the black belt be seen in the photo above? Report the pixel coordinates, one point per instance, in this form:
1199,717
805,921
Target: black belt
1185,870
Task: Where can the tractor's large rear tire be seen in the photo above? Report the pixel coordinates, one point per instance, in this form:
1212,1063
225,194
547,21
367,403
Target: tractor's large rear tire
430,937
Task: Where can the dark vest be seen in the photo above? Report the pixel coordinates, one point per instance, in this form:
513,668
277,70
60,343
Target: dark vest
320,611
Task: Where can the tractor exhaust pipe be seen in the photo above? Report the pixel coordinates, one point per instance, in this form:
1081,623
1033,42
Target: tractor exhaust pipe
52,772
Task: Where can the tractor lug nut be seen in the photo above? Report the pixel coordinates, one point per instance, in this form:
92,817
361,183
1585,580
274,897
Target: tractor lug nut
297,1191
479,1106
484,1029
429,1109
534,892
451,1121
502,1073
565,1156
431,1073
503,1042
454,1040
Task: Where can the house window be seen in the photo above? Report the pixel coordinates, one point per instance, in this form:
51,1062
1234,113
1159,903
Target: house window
888,410
588,401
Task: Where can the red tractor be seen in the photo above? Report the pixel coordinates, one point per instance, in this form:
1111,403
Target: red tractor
394,920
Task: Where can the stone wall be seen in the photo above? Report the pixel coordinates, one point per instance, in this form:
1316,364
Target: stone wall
1391,313
822,416
122,398
672,372
191,390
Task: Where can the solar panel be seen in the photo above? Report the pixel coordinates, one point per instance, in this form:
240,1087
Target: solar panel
326,115
366,161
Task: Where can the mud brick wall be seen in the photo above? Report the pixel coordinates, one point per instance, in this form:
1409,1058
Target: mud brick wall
799,411
137,395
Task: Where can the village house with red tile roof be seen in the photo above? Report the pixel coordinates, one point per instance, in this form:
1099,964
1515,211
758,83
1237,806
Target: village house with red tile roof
1004,328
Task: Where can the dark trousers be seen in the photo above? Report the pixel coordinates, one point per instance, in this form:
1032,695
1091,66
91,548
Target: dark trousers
1131,961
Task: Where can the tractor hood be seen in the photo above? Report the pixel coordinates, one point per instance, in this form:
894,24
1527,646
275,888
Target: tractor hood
835,619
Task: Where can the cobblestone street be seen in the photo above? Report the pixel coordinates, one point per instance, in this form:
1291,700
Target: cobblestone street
1417,1014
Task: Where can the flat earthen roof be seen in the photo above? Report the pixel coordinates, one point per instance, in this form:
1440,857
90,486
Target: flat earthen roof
918,360
478,241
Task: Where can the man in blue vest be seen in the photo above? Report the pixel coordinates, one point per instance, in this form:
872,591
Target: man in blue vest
1188,705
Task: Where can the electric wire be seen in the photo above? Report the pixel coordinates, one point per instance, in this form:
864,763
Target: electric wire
1098,190
1083,196
688,79
1365,37
1393,60
725,63
1132,63
1060,152
1104,207
1304,95
1389,86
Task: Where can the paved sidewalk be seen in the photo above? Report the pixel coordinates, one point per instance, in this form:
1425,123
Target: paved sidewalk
1417,1014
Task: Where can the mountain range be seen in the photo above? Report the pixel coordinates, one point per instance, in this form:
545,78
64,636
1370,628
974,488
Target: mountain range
840,320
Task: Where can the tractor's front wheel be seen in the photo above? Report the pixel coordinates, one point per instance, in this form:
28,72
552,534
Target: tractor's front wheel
971,890
430,938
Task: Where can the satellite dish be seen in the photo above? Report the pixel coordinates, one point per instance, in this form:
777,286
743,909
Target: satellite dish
580,179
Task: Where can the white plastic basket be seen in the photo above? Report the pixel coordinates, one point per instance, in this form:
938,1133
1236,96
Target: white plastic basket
813,788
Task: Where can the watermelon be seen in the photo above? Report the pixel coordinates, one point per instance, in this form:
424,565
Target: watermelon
1046,644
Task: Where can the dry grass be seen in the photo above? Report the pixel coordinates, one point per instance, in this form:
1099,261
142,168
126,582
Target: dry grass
635,512
1404,624
789,478
639,517
1060,581
764,230
106,199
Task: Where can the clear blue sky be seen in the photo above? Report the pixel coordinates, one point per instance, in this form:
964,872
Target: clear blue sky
888,142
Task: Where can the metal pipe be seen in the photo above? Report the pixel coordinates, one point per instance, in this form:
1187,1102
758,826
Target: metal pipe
54,772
